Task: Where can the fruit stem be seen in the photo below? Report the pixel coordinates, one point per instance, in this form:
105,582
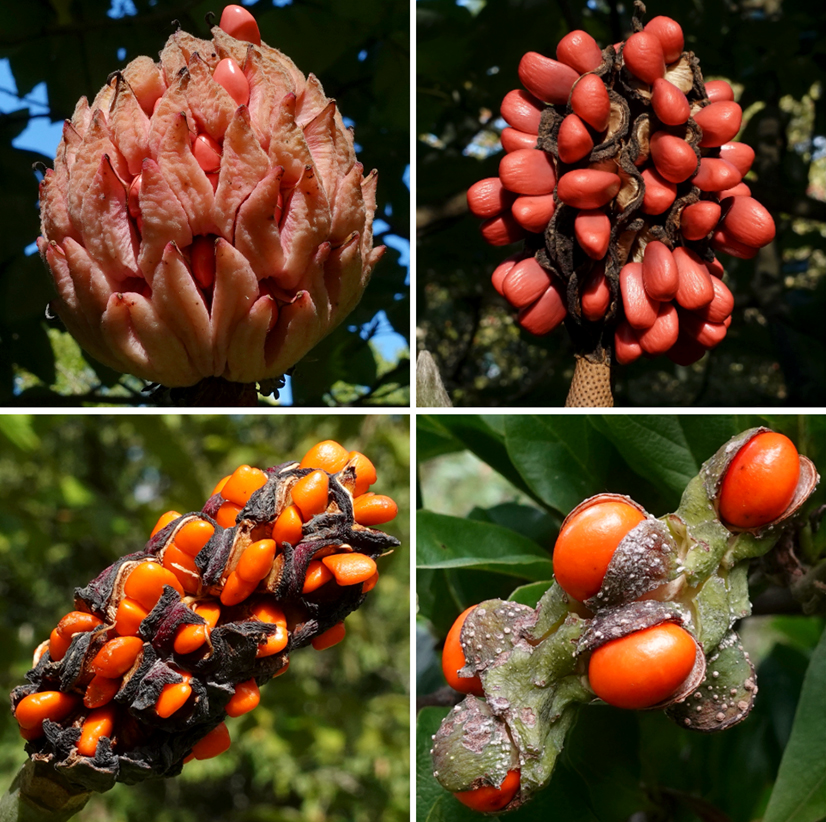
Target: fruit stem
40,794
591,383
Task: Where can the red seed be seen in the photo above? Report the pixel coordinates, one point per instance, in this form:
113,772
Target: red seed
663,333
534,213
164,520
350,569
748,222
592,228
501,271
715,175
129,617
588,188
242,484
659,271
288,526
591,103
643,56
573,141
311,494
240,24
740,190
146,582
695,289
669,103
674,157
546,313
54,705
721,240
546,79
214,743
228,514
525,283
706,333
596,295
173,697
317,574
207,152
740,155
236,590
202,260
718,91
627,347
502,230
117,656
720,123
670,34
529,171
189,638
513,139
100,690
374,509
522,110
579,51
488,197
659,193
228,75
640,310
698,219
720,306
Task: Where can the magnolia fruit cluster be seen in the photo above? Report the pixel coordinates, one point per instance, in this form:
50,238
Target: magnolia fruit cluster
168,641
206,215
622,176
648,607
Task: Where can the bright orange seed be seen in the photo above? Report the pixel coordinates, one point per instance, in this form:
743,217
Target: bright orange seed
243,483
98,724
350,569
327,455
273,615
209,610
129,617
453,659
189,638
317,575
246,697
76,622
236,590
33,709
214,743
194,535
100,690
371,583
256,561
169,516
288,526
173,697
58,645
310,494
146,581
183,566
117,656
220,486
332,636
374,509
365,472
227,514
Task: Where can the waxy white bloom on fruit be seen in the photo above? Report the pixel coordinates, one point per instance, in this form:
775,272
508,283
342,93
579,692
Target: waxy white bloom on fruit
206,216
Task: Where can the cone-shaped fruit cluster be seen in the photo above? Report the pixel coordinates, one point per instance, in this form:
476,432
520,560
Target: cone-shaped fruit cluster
206,216
167,641
622,176
647,605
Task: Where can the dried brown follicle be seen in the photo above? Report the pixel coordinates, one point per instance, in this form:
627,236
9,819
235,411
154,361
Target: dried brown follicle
250,638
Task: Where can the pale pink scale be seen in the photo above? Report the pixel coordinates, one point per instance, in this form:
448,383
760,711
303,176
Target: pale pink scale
245,356
348,208
290,150
212,107
130,126
257,235
54,213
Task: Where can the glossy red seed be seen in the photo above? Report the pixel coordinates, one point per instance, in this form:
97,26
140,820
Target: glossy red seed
669,103
529,171
643,56
525,283
659,193
534,213
228,74
574,142
522,110
670,34
240,24
591,103
546,313
580,51
640,309
627,346
513,139
699,219
719,90
488,197
659,271
592,229
548,80
202,260
207,152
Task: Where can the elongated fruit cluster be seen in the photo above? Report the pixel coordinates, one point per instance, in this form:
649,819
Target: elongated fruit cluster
623,177
169,640
641,615
206,215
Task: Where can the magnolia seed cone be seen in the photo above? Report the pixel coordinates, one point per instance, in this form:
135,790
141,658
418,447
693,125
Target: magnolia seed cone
205,219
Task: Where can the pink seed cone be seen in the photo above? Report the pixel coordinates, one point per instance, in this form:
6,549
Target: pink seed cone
281,234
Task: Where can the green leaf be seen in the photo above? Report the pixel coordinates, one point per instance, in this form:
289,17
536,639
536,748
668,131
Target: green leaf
432,440
533,523
452,542
17,429
484,441
530,594
799,794
561,458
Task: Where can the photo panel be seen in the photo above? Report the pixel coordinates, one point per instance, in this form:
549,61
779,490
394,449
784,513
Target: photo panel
620,617
233,589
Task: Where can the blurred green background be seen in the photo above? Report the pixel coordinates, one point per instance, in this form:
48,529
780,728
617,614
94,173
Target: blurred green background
330,740
773,54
